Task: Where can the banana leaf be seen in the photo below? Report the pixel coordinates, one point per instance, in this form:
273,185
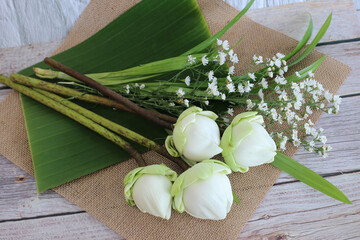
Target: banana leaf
63,150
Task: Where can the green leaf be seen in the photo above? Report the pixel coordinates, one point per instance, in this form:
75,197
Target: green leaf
236,198
317,38
63,150
303,41
308,177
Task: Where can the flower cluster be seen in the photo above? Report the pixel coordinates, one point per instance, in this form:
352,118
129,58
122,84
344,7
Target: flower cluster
204,190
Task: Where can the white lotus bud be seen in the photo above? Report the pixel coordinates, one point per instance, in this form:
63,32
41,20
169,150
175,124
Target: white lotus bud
246,143
204,191
149,189
196,136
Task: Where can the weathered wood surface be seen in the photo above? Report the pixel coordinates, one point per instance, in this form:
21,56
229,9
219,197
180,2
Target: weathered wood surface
291,210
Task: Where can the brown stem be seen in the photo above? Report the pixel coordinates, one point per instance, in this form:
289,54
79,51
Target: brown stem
162,151
108,92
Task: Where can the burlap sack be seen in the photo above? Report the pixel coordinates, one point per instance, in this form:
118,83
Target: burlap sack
101,193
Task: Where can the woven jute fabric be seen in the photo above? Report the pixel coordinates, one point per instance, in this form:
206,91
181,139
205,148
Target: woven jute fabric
101,193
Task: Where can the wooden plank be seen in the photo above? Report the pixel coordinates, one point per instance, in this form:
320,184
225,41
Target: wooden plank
348,53
19,198
294,211
69,227
14,59
312,215
293,19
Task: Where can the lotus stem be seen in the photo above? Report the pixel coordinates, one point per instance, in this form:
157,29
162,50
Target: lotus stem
75,116
55,88
110,93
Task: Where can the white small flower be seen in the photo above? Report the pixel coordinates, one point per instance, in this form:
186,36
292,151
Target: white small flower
261,95
263,106
204,60
283,143
222,57
171,104
234,58
278,63
248,86
186,102
323,139
223,96
297,74
271,74
230,87
191,59
142,86
136,85
219,42
187,81
241,88
280,55
280,80
231,70
297,105
180,92
127,87
230,111
211,75
308,110
283,96
249,104
252,76
264,83
206,102
311,74
328,95
286,68
225,45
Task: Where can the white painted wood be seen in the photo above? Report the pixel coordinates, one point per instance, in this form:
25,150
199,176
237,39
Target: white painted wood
14,59
294,211
293,19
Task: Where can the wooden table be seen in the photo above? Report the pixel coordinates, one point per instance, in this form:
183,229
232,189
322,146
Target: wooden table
291,210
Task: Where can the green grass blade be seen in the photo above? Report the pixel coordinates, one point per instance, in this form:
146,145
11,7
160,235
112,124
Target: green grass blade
208,42
303,41
317,38
308,177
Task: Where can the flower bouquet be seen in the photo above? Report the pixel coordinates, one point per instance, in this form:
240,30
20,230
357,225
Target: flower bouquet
207,108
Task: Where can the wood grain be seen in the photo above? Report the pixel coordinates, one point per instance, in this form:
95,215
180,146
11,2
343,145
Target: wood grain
293,19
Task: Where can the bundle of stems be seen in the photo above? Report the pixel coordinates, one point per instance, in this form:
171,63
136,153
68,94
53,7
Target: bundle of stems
91,120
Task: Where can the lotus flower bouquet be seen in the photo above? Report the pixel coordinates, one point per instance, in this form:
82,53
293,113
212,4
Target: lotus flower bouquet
208,110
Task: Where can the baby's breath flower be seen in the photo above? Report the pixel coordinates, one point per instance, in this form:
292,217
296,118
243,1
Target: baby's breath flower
230,111
180,92
191,59
206,102
171,104
204,60
252,76
297,74
261,95
280,55
225,45
230,86
248,86
186,102
219,42
127,87
249,105
310,74
142,86
223,96
241,88
231,70
234,58
211,75
222,57
187,81
264,83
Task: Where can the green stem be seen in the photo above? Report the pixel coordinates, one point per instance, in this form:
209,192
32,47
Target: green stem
77,117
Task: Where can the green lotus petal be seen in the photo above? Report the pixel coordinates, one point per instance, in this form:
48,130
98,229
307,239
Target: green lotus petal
170,146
